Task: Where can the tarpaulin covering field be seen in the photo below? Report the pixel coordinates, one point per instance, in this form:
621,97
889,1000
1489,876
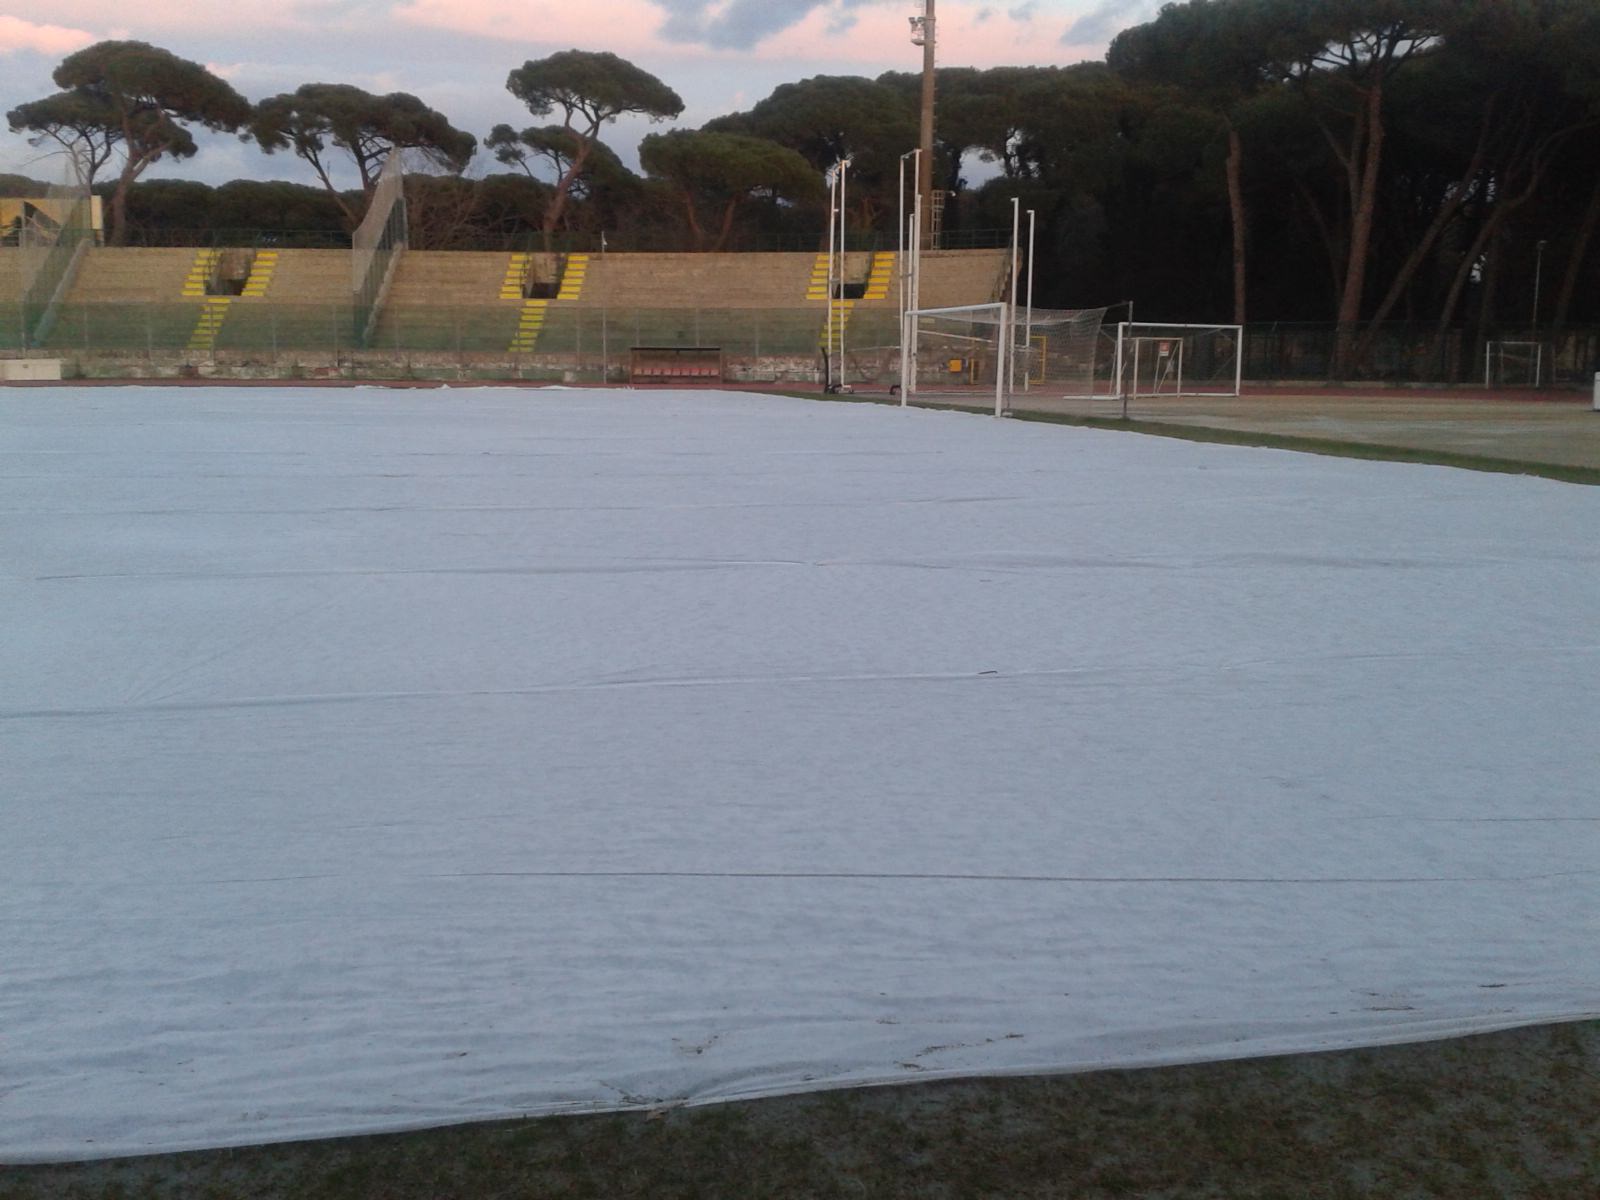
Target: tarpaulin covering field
378,759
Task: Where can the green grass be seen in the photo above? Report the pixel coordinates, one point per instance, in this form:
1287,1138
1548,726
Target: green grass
1512,1114
1330,447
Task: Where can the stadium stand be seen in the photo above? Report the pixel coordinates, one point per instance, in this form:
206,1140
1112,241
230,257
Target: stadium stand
951,277
126,299
301,304
447,300
490,311
10,294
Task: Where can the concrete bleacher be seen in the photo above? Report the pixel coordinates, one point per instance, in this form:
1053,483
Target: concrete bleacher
10,298
127,299
306,307
446,300
697,281
475,304
124,275
951,277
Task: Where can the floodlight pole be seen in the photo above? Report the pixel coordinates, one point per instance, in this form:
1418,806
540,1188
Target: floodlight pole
836,229
914,342
904,267
828,324
908,328
1011,300
1538,271
844,168
1538,350
1027,340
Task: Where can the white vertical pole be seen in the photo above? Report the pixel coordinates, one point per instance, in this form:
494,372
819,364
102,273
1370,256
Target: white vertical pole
1004,364
828,325
1027,339
844,168
1011,300
916,278
1121,386
1238,363
1116,381
900,270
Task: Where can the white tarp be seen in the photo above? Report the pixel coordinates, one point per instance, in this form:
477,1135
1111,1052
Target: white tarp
379,759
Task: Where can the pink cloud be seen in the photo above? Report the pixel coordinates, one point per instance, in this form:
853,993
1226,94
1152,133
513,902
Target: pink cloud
163,18
17,34
880,38
873,37
621,26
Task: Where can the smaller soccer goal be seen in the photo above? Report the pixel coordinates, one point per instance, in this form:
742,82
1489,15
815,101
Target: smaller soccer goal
1513,364
1176,360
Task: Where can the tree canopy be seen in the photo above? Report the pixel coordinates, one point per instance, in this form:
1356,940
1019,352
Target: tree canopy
367,128
133,99
726,171
589,89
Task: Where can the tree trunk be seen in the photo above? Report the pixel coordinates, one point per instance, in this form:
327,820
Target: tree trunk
727,224
1528,167
1576,257
695,232
118,233
558,202
1236,211
1419,253
1365,193
1329,247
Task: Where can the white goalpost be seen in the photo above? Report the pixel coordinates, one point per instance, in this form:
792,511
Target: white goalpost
1151,359
986,350
973,341
1513,364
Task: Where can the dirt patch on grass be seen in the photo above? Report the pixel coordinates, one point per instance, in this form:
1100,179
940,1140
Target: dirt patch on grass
1513,1114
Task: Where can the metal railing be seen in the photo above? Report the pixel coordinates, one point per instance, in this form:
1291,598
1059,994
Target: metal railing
279,334
1410,353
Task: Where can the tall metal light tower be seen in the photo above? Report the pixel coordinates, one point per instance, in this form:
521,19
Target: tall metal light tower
923,33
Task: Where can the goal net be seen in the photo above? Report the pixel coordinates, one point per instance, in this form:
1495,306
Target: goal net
1513,364
1055,351
52,235
993,350
377,244
1147,359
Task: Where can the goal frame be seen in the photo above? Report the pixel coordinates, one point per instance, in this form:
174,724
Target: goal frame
1131,333
1003,348
1500,346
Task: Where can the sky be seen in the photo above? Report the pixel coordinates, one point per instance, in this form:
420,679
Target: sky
720,55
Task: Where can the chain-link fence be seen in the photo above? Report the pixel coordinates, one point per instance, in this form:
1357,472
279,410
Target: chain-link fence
1411,353
592,343
577,342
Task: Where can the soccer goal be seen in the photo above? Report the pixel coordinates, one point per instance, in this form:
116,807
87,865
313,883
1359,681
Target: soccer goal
1000,351
957,353
1513,364
1176,360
